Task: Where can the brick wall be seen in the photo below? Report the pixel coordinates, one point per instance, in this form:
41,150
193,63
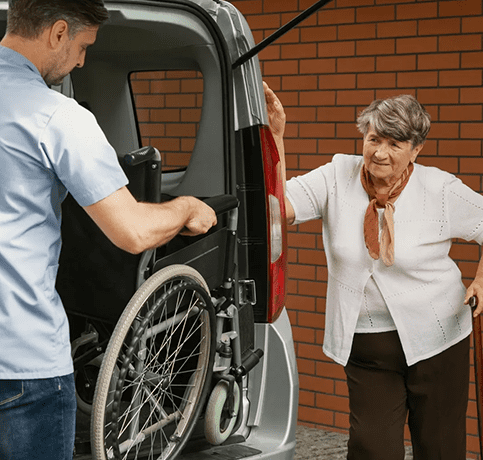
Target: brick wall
325,72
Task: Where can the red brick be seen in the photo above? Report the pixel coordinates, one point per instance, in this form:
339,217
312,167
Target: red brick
355,97
140,86
279,67
336,16
471,95
446,164
299,51
319,416
471,60
356,64
272,6
438,96
298,241
301,83
318,34
336,114
336,49
438,61
444,131
472,25
336,146
472,130
312,257
439,26
313,320
180,100
397,29
459,43
306,398
416,45
306,366
303,334
339,81
152,129
459,8
265,21
317,130
150,101
314,352
180,129
331,402
301,145
191,115
163,115
356,31
347,131
375,14
300,302
376,80
329,369
315,288
341,420
417,11
317,98
300,113
395,63
317,66
466,147
375,47
248,6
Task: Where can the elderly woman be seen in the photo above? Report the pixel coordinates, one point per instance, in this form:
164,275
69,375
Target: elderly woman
396,317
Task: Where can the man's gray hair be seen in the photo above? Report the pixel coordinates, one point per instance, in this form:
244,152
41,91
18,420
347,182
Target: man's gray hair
28,18
401,118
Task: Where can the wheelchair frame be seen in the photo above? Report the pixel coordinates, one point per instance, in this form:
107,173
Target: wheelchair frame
179,331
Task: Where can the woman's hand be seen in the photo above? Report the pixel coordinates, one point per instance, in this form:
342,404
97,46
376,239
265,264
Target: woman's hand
475,289
276,114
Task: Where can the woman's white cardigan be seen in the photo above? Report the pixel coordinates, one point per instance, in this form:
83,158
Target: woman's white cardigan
423,289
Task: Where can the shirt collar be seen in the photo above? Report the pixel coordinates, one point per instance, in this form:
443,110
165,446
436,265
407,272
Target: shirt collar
17,59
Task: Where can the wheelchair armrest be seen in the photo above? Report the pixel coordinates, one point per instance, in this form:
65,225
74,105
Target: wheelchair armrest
222,203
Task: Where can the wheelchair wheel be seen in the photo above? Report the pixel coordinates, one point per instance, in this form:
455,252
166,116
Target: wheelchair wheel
163,347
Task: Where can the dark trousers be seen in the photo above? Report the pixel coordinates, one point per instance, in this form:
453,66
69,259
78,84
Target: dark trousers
383,391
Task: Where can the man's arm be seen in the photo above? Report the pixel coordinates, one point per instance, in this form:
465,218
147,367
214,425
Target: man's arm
135,226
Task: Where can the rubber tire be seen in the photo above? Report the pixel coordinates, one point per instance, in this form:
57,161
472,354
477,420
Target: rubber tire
214,432
109,363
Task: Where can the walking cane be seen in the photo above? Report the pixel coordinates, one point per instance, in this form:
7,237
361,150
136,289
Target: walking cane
478,354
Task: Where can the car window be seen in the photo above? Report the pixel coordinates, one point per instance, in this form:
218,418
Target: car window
168,110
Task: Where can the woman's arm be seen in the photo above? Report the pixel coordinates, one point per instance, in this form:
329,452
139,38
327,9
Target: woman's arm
276,118
476,289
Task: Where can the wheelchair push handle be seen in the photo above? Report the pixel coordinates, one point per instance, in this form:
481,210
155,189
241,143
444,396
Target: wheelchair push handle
222,203
142,155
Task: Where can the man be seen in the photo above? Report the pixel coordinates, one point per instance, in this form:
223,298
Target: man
49,145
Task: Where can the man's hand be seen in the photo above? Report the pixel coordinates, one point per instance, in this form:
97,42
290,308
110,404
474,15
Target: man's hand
201,220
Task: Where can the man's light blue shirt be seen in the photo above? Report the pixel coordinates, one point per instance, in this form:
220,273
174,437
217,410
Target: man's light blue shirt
49,145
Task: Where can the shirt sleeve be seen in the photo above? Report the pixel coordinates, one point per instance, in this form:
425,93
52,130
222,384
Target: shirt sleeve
80,154
308,194
465,208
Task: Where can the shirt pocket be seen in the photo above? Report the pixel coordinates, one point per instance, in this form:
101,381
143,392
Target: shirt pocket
10,390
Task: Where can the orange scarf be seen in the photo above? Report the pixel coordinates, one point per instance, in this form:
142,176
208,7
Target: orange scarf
371,219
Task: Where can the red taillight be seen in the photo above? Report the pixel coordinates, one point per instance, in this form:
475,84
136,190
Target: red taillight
276,219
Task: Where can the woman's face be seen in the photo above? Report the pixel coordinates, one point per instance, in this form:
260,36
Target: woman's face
386,159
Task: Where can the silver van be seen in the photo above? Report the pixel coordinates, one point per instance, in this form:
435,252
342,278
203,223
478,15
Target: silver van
186,351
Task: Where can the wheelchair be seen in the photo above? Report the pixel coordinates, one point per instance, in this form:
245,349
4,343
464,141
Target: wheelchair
155,337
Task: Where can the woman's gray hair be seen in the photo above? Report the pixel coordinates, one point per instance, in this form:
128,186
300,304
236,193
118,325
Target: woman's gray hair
401,118
28,18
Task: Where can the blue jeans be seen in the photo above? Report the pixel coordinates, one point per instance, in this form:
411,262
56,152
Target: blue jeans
37,419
